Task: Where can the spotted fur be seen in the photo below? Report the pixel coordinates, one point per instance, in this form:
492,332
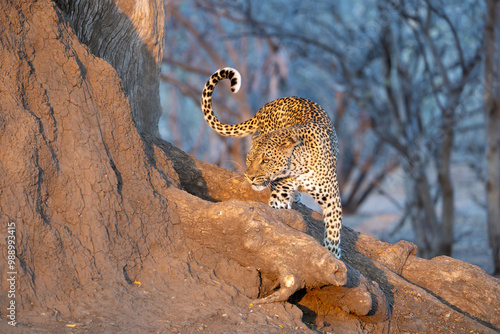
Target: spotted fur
296,151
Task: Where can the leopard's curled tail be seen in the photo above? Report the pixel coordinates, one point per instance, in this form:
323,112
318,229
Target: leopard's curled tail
237,130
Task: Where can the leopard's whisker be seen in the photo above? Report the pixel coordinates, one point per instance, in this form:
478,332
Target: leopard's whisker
237,177
235,163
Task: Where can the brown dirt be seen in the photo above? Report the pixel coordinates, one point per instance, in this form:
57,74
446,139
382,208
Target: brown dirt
119,233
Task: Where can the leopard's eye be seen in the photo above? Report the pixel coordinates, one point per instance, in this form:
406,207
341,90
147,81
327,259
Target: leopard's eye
265,161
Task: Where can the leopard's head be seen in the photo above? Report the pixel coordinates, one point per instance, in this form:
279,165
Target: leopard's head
270,158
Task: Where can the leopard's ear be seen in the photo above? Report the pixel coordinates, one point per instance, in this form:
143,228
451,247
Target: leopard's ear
255,137
290,143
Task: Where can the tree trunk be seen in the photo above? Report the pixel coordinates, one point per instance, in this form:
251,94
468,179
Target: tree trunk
492,112
444,178
128,35
428,229
117,232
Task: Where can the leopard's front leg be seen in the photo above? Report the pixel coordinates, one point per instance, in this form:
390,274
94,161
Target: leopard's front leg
328,197
332,216
284,193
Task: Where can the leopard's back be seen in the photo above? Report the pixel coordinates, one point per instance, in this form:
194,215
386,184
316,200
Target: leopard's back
278,114
289,111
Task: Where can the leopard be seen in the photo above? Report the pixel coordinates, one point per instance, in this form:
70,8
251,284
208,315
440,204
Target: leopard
294,150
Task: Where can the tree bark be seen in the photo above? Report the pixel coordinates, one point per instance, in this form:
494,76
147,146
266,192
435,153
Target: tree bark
118,232
492,113
129,35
